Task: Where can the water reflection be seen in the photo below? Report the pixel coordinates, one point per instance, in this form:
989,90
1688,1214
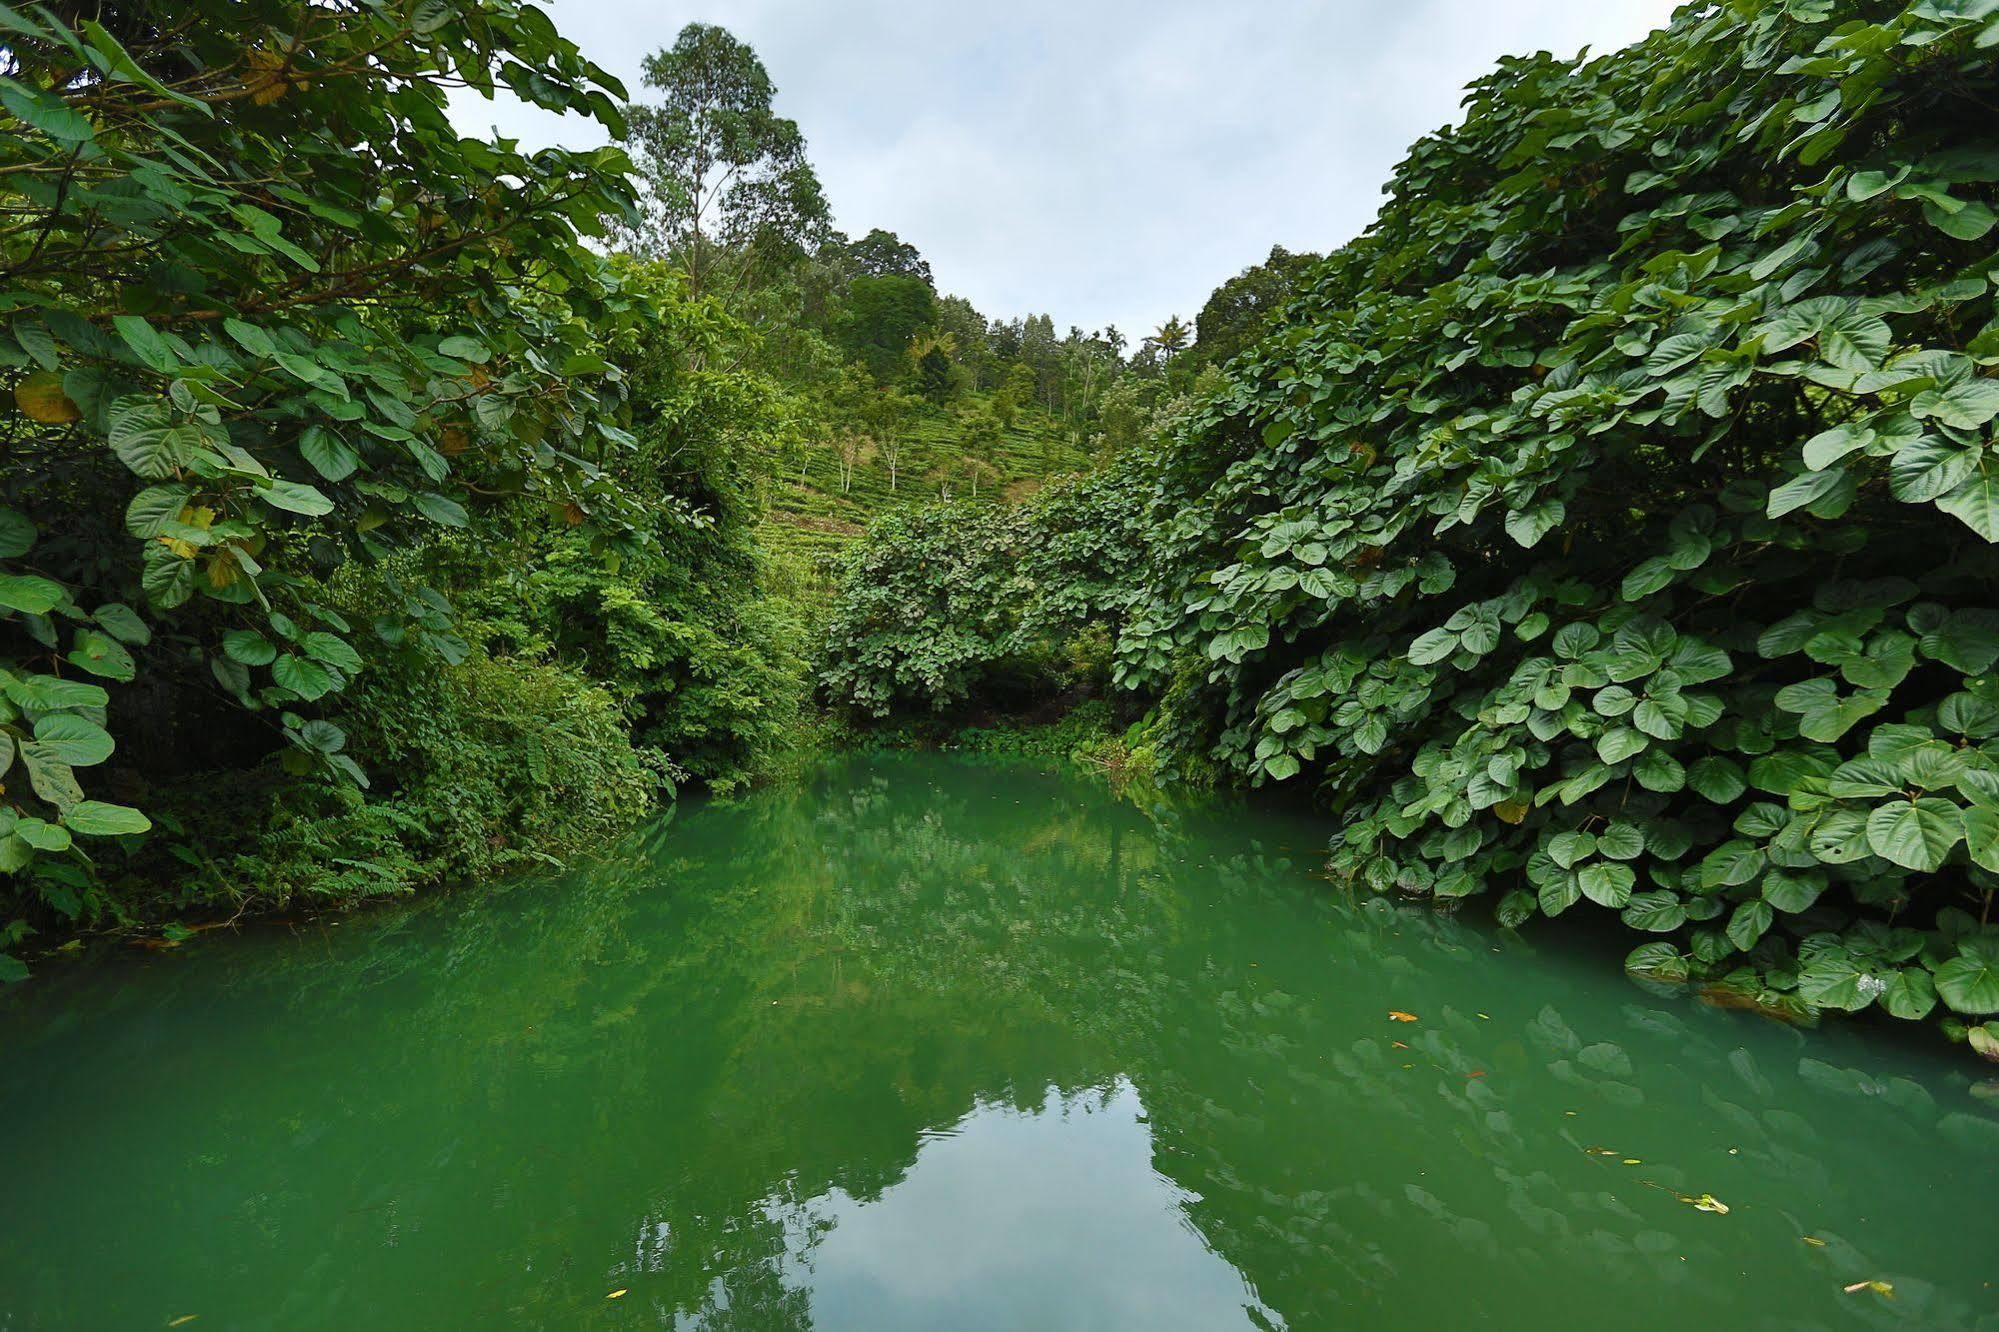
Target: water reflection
930,1045
1050,1218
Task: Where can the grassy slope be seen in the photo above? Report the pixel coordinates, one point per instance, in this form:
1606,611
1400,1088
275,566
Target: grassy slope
816,520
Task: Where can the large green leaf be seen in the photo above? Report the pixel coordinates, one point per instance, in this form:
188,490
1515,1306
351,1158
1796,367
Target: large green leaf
49,775
102,655
31,593
1606,883
1658,911
1835,979
95,818
296,497
46,113
249,647
74,740
146,439
1910,994
1981,836
1967,405
1969,982
1915,834
1747,925
302,676
1975,501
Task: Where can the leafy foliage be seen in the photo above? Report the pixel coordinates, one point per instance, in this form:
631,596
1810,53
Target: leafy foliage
1614,521
296,368
952,601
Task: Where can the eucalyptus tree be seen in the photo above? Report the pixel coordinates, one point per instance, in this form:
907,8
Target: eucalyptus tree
727,186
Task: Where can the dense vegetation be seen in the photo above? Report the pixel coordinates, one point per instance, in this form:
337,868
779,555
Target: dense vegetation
387,507
1611,524
363,528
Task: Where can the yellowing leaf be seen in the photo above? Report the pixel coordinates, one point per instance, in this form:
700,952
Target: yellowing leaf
616,1293
267,84
1397,1015
40,398
1885,1289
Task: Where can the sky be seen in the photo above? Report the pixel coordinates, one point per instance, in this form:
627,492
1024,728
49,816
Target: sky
1101,161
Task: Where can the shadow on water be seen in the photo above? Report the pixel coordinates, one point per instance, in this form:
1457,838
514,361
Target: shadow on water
928,1044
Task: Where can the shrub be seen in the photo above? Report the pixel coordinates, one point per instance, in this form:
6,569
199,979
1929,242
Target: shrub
939,604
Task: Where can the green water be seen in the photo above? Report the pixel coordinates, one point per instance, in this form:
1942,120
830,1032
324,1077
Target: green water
931,1045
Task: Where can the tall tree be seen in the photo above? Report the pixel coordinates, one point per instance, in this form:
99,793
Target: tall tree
1239,309
882,315
1171,337
883,254
726,178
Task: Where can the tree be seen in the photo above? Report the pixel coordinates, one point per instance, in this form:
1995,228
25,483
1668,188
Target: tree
1015,392
1042,352
851,448
882,315
971,342
1240,308
887,418
981,435
726,178
1170,338
933,373
885,254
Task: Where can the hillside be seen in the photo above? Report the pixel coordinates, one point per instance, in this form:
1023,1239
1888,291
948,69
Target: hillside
816,513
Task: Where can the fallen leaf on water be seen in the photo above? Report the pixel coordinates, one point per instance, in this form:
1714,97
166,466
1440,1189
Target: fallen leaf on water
1400,1045
1884,1289
1600,1151
184,1318
1486,1016
1632,1160
614,1294
1476,1073
1707,1202
1814,1241
1397,1015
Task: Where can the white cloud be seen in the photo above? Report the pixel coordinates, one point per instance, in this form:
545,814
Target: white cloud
1105,162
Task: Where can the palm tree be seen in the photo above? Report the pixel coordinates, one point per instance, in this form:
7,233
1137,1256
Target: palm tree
1171,337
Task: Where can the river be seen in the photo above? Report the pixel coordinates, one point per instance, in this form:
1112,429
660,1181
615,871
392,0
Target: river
932,1044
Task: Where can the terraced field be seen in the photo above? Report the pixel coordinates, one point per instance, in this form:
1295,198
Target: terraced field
812,517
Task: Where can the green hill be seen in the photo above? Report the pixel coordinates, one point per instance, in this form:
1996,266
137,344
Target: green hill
814,512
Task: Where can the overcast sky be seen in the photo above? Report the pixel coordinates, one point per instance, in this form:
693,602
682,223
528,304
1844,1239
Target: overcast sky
1103,162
